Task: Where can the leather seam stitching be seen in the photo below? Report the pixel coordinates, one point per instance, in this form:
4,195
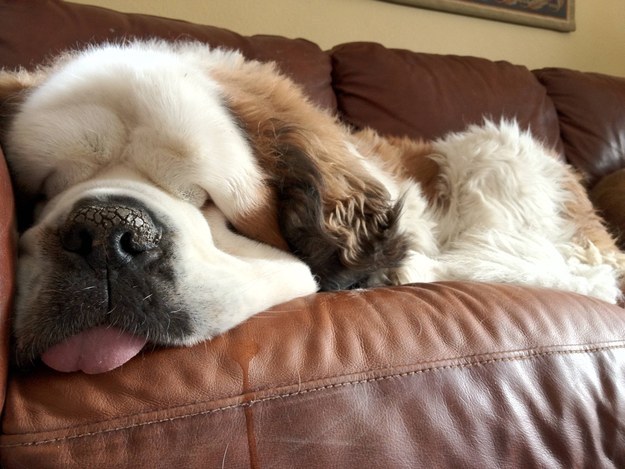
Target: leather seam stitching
530,356
528,353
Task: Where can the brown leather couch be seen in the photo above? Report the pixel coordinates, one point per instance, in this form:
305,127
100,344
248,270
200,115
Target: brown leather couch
433,375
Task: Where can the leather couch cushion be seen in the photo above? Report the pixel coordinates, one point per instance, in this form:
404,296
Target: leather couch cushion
31,31
436,375
400,92
591,108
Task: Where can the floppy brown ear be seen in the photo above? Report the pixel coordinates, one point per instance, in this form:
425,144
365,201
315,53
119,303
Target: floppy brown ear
330,211
343,224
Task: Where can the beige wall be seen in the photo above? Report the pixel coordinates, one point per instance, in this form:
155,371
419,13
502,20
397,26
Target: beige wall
598,44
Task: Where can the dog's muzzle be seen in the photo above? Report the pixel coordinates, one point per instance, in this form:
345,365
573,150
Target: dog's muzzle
110,289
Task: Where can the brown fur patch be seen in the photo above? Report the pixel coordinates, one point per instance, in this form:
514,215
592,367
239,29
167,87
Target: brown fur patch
608,196
262,224
592,234
306,155
404,158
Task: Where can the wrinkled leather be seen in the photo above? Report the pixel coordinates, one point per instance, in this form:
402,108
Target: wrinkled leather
591,109
400,92
33,31
439,375
7,254
409,376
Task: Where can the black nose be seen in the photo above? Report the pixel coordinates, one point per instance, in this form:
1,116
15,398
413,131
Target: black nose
109,234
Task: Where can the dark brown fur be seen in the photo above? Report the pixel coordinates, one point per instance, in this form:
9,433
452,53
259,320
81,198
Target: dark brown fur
332,213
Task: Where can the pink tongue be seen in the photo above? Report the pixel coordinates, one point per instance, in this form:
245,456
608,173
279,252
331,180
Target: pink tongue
93,351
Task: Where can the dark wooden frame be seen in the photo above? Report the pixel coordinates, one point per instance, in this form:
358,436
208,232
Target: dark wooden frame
526,12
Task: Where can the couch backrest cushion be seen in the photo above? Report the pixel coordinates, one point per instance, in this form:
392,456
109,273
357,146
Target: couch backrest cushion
32,30
426,95
591,109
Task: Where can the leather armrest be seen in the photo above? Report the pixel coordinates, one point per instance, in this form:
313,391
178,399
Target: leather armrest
608,196
436,375
7,255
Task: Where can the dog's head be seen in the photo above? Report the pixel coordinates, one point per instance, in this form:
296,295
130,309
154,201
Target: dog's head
173,186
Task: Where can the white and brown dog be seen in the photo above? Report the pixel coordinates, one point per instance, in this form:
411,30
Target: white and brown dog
182,189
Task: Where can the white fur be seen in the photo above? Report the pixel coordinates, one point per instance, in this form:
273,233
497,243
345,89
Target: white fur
503,218
152,108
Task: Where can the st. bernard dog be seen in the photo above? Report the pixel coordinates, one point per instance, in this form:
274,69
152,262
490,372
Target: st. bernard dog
181,190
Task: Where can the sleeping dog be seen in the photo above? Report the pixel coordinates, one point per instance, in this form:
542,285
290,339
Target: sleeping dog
182,189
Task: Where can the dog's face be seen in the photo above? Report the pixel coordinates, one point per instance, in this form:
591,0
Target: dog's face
171,183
